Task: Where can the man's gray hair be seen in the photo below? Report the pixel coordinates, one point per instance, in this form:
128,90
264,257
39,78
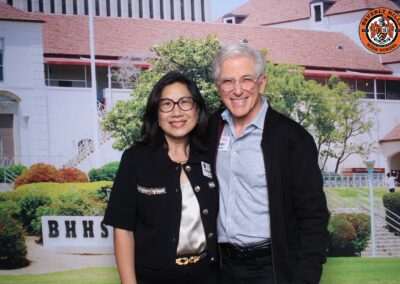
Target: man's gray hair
235,50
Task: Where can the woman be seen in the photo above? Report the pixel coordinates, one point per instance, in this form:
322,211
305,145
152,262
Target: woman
164,201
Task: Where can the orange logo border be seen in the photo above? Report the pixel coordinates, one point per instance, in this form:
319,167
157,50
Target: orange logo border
364,31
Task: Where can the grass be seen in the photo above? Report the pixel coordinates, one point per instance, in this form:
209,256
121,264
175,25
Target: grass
353,270
338,270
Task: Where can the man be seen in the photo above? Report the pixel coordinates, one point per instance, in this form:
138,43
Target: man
272,223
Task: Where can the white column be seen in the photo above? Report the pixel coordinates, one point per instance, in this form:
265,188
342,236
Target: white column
124,8
188,10
70,7
81,7
177,9
197,10
207,9
114,8
57,6
35,6
103,7
156,9
19,4
46,6
146,10
135,9
167,10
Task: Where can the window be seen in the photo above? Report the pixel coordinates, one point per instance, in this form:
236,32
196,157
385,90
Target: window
64,7
10,2
130,8
97,8
29,4
172,9
86,2
182,10
41,6
151,12
161,9
108,8
317,13
203,11
392,90
119,11
67,76
192,11
52,7
229,20
1,59
75,7
140,9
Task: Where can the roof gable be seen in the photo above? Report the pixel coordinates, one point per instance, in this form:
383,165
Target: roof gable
348,6
393,135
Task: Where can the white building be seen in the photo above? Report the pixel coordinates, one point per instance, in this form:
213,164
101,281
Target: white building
181,10
46,112
341,16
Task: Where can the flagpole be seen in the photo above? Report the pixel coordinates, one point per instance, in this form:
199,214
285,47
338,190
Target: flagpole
96,144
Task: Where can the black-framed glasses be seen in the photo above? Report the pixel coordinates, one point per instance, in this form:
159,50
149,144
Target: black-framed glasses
246,83
184,103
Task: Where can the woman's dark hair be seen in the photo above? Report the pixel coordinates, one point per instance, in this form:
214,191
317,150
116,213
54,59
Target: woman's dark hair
151,132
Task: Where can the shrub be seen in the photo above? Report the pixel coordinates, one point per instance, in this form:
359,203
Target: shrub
39,173
73,175
106,172
102,194
28,206
341,237
13,249
391,201
10,208
16,170
361,223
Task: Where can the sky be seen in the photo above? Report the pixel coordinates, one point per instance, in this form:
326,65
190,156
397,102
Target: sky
222,7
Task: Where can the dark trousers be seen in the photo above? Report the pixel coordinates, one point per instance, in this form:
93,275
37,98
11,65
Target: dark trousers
197,273
256,270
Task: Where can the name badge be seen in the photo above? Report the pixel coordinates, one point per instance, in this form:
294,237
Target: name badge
224,143
206,169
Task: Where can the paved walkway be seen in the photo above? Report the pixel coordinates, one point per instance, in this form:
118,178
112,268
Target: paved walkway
46,261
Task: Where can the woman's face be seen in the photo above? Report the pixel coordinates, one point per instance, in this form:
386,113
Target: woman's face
177,112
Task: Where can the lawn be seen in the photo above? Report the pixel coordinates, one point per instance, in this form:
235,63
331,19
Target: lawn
353,270
338,270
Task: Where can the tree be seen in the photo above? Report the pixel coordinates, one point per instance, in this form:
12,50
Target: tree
352,119
189,56
331,113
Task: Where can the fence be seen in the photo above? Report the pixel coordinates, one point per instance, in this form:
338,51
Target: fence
354,180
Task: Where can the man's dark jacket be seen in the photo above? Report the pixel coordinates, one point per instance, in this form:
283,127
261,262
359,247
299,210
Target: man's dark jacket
298,211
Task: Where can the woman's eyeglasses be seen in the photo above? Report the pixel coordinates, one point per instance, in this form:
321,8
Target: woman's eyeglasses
167,105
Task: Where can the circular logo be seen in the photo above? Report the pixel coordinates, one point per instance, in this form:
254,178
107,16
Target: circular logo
379,30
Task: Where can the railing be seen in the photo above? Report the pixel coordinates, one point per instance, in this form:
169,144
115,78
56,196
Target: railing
354,180
86,146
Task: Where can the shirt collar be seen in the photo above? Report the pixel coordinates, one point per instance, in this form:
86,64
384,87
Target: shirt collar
258,121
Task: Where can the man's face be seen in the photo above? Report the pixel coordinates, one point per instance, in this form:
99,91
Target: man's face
240,89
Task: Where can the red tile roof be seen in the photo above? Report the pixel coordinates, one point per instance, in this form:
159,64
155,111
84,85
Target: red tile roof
393,135
267,12
392,57
10,13
115,37
345,6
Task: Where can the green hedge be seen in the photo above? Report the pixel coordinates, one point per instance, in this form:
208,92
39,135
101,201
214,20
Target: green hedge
12,239
348,234
28,203
391,201
106,172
